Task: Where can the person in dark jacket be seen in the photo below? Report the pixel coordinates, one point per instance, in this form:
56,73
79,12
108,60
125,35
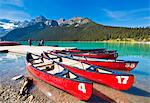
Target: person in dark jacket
42,42
30,42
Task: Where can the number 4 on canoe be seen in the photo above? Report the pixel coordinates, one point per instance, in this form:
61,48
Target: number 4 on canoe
81,87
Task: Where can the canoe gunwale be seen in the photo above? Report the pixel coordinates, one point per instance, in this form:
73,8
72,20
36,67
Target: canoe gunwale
113,71
74,79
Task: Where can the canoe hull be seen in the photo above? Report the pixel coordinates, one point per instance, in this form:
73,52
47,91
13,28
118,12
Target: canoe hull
5,43
119,82
92,50
98,55
112,54
114,65
72,87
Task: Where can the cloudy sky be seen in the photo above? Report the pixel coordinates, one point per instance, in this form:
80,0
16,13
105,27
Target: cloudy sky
131,13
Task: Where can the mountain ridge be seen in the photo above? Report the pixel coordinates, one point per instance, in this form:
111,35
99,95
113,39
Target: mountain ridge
74,29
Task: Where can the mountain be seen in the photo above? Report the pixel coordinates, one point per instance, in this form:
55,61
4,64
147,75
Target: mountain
74,29
6,26
76,21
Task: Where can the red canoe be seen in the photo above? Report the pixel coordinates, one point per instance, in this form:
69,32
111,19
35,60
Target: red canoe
98,55
99,50
115,79
57,75
114,65
110,64
8,43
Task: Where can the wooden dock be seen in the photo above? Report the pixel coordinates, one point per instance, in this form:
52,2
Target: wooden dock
23,49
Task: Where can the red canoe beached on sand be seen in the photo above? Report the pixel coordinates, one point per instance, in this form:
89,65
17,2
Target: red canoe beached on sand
115,79
58,76
8,43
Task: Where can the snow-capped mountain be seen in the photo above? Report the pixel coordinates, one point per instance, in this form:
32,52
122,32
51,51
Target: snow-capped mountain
6,26
9,25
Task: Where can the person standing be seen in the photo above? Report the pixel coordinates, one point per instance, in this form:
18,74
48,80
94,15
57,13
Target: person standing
30,42
42,42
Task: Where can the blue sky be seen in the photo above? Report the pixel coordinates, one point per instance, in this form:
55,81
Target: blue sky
130,13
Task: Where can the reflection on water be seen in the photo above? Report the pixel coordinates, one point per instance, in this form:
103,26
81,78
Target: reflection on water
11,65
11,56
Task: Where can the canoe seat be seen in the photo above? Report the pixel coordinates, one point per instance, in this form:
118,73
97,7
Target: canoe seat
57,69
70,75
41,63
74,63
44,65
38,61
102,71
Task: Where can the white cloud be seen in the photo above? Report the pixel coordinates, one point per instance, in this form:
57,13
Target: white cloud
126,15
146,18
13,10
139,10
14,14
18,3
118,15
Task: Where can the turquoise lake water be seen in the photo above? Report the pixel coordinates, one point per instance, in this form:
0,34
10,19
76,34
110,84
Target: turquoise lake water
11,64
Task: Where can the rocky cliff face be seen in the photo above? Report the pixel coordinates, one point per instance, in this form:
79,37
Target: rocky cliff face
51,23
76,21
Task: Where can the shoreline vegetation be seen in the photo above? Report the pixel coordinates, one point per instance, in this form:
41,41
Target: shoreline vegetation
127,41
105,41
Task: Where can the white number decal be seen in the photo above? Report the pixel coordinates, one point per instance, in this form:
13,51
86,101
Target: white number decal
81,87
132,65
122,79
127,65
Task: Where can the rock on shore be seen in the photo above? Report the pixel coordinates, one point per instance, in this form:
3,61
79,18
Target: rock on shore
9,94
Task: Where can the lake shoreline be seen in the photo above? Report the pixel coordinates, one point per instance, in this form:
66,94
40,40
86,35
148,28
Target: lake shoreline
111,41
